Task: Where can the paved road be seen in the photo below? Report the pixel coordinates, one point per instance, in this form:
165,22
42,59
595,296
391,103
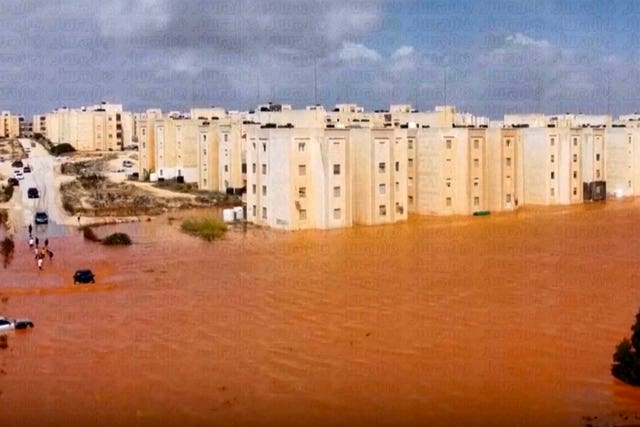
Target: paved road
42,178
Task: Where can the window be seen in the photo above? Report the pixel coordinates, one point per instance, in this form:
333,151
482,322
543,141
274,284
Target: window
253,168
553,175
476,163
301,147
226,168
448,144
336,191
337,214
552,142
382,189
410,181
382,167
575,142
264,190
336,169
597,173
575,158
553,158
204,151
575,174
302,214
629,184
448,182
476,144
302,170
476,201
382,210
410,198
264,146
575,191
476,182
410,162
226,137
253,189
507,143
508,161
253,210
447,201
264,213
264,169
553,191
410,144
397,186
302,192
397,166
508,198
597,156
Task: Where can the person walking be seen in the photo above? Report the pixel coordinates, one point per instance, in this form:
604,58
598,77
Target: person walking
37,241
30,241
30,229
46,243
50,254
39,263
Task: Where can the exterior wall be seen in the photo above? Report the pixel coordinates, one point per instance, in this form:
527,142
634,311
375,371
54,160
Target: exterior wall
177,149
622,161
208,163
9,125
230,154
412,163
504,169
145,131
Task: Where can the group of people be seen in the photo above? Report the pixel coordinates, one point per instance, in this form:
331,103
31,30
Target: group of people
40,251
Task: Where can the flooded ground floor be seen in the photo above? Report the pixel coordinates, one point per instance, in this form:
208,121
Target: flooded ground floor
500,320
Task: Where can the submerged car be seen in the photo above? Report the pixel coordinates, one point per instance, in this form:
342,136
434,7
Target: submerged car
27,169
84,276
7,324
41,218
13,181
32,193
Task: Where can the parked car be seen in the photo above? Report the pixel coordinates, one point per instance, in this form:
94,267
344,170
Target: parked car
84,276
127,163
13,181
41,218
18,174
27,169
33,193
7,324
17,164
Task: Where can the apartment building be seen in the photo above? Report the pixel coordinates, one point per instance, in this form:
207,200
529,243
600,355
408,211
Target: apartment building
504,163
9,125
221,163
176,148
622,160
99,127
40,124
380,164
145,132
299,178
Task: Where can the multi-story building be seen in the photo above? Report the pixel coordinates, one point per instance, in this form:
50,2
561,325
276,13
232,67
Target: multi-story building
145,132
176,148
9,125
40,124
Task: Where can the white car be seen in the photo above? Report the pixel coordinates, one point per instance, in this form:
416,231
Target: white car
7,324
18,174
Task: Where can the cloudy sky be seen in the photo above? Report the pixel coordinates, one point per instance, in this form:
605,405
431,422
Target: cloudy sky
495,56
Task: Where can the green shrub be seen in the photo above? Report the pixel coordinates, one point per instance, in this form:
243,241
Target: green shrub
626,359
117,239
206,228
7,193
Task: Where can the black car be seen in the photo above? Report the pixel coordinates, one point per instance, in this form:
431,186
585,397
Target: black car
13,182
84,276
17,164
27,169
33,193
42,218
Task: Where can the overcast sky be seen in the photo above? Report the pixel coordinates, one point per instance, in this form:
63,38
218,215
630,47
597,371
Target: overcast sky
496,56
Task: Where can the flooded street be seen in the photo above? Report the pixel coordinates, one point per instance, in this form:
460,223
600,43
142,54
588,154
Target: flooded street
501,320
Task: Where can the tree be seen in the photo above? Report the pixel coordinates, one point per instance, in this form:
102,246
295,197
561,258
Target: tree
626,359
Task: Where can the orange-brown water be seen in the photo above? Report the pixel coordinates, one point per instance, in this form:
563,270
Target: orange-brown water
501,320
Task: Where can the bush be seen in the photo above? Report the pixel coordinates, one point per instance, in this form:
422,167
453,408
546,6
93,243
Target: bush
626,359
62,148
90,235
207,228
117,239
7,192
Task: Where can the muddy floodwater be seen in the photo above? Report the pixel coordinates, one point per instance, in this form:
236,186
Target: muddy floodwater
501,320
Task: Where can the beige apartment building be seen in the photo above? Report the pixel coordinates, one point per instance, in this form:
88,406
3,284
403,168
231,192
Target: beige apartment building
622,157
9,125
176,148
220,155
145,132
103,127
40,124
